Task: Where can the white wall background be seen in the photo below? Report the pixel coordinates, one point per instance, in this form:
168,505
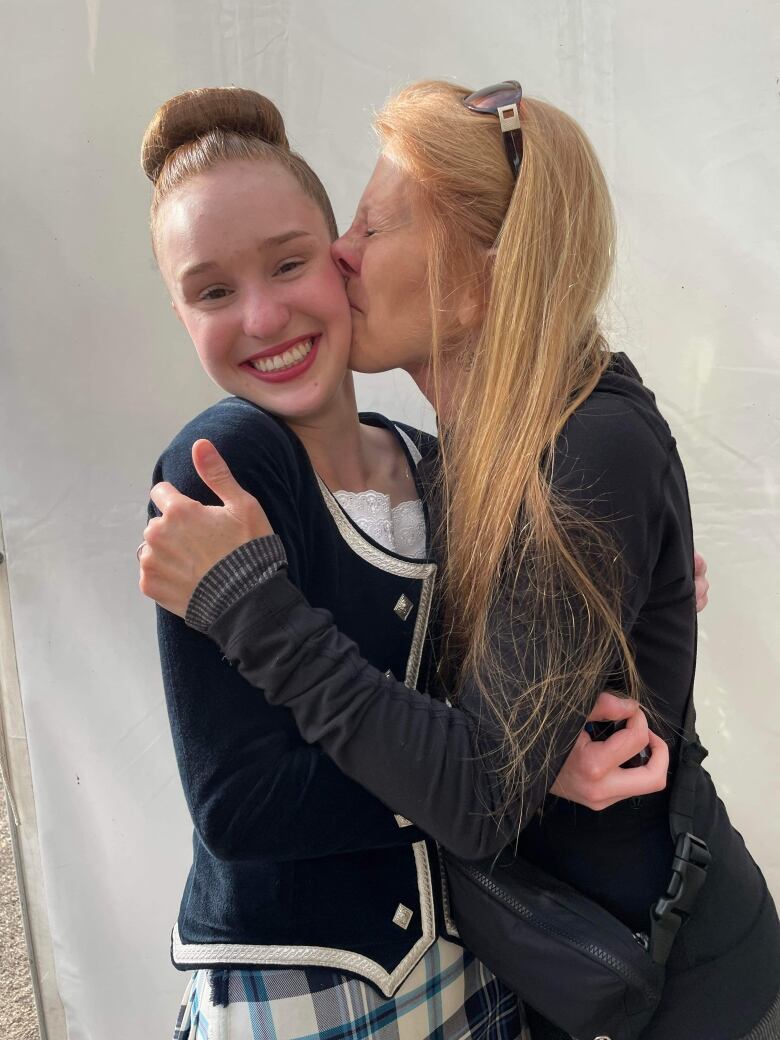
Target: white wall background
682,101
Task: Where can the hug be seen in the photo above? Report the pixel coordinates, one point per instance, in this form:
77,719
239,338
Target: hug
389,658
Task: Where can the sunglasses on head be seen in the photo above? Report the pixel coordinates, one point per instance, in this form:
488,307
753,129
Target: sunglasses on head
502,100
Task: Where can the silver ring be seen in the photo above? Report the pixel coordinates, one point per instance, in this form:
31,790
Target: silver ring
138,551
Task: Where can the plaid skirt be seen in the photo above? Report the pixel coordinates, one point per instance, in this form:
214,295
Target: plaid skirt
448,996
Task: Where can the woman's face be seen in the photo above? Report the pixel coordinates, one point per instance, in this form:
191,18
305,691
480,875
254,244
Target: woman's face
384,258
245,255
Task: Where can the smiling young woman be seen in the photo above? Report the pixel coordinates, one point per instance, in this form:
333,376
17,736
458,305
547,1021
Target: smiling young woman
309,904
253,270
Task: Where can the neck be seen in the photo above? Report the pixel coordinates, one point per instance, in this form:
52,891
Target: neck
442,390
335,442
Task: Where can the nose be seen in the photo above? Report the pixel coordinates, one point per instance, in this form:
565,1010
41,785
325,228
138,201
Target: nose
265,315
347,254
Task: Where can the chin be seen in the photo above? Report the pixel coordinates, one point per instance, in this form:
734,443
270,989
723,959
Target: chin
369,363
368,368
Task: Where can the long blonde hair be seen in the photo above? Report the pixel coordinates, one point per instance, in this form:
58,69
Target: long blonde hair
543,250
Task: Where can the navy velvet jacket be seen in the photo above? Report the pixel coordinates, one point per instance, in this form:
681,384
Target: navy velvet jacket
293,863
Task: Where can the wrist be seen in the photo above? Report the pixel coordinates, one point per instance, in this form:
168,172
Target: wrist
232,578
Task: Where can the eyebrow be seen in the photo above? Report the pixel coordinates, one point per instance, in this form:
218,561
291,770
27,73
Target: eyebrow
288,236
267,243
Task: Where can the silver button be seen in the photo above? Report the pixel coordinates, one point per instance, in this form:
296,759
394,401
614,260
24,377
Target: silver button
403,916
403,607
389,674
402,821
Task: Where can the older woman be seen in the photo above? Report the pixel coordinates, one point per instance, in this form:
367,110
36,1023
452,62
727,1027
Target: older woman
479,255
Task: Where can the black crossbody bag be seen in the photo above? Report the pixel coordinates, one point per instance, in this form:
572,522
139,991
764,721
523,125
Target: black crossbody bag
563,954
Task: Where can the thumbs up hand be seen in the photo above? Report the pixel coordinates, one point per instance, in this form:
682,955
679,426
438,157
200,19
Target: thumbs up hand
183,544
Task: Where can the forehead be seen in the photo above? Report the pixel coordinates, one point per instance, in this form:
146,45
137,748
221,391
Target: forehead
389,189
233,204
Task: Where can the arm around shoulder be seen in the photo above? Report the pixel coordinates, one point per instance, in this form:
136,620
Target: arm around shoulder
260,454
436,764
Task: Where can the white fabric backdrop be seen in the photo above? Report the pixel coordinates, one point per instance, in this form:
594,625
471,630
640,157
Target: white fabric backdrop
682,103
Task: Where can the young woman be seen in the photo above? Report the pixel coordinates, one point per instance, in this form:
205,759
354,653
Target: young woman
310,908
566,536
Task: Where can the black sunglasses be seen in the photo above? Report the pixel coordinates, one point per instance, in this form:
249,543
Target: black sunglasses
502,100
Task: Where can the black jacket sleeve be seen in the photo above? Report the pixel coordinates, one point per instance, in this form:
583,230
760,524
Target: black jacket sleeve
433,763
253,786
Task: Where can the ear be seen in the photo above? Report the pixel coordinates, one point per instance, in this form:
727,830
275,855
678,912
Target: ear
475,295
176,311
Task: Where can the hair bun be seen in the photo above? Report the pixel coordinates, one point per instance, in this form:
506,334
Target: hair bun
194,113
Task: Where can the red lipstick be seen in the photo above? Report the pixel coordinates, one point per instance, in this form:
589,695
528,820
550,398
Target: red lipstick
292,371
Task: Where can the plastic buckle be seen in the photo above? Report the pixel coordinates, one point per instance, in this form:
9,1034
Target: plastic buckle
689,872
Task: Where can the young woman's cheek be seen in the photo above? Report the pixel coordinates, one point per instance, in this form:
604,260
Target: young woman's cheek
334,287
212,338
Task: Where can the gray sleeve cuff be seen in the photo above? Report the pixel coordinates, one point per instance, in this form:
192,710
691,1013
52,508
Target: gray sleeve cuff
232,578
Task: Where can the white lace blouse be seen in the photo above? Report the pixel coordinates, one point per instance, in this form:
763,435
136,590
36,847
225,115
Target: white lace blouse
401,528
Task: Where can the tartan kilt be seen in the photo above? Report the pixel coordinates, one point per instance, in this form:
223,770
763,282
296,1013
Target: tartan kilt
449,995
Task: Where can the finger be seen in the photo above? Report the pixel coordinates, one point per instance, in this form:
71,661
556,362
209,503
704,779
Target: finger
657,769
579,761
160,542
582,742
632,783
636,735
610,754
642,780
581,745
154,523
610,707
615,784
164,495
702,591
215,474
700,581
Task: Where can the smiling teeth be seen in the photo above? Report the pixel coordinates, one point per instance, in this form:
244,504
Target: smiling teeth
290,357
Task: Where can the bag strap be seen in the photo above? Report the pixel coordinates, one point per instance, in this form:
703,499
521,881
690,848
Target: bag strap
691,854
690,755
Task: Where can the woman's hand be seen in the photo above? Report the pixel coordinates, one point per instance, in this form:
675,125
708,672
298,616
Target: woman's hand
700,580
189,538
592,776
